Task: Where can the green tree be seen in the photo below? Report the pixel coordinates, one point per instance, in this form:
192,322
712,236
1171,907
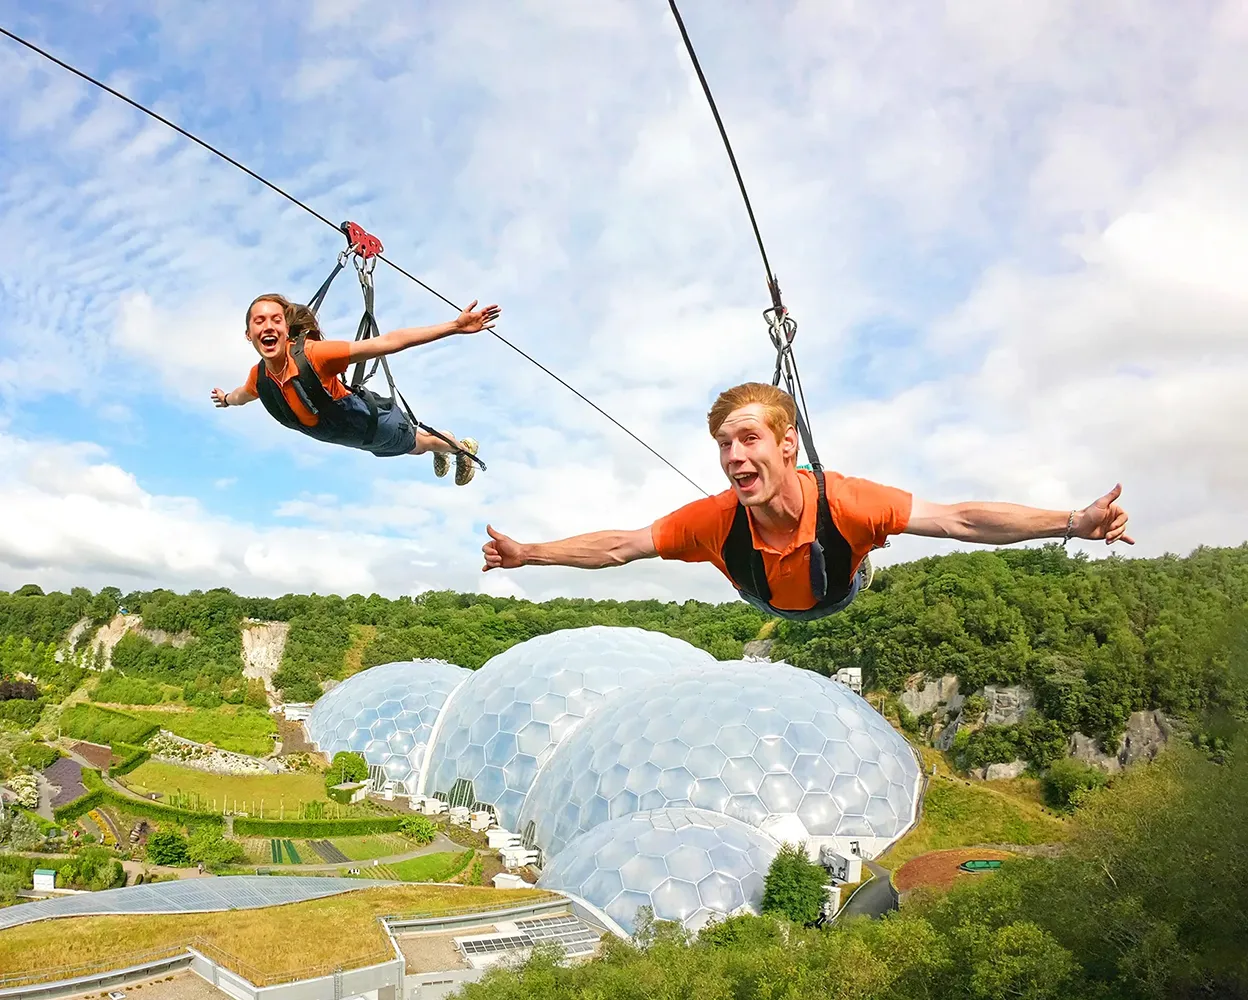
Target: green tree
796,887
347,766
168,847
10,886
1068,781
207,846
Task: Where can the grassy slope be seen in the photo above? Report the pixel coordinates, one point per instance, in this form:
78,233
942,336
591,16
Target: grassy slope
289,940
230,727
958,813
361,636
273,789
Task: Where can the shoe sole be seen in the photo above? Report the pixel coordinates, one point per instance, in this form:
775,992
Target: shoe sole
465,468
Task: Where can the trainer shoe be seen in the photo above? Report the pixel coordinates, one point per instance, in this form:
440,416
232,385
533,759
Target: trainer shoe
867,571
441,464
465,468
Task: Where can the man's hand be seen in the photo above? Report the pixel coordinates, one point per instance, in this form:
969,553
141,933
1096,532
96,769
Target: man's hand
472,322
1103,519
501,552
220,398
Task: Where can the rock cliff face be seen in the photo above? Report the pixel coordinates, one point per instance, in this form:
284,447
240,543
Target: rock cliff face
758,649
263,646
1006,705
1145,735
926,696
109,634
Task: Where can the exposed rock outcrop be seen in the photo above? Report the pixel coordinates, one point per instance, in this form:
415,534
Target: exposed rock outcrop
263,646
109,634
1145,735
1006,705
758,649
932,694
162,638
1001,772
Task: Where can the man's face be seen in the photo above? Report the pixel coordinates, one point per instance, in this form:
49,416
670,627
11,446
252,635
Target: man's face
753,460
266,329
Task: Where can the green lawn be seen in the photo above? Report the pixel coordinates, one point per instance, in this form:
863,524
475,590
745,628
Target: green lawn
280,794
431,867
373,845
230,727
957,814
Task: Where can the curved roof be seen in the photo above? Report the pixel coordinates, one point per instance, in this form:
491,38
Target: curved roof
197,895
784,750
387,713
686,864
505,722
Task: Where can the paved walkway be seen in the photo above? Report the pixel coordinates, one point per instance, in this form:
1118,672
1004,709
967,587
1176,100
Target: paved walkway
874,899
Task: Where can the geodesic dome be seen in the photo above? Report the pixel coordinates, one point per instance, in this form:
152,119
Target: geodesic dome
786,751
387,713
687,864
503,725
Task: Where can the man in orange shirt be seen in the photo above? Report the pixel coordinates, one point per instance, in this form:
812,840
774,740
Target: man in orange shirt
297,380
795,543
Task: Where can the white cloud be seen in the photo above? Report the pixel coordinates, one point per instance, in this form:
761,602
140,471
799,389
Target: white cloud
1042,206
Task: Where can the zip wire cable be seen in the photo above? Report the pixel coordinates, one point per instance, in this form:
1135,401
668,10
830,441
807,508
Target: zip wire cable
313,212
785,351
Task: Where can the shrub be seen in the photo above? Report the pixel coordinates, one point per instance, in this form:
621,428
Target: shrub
207,846
168,847
19,832
93,868
36,755
25,713
10,886
18,689
795,886
26,789
1068,781
419,828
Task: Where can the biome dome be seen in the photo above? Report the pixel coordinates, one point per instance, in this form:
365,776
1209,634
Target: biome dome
786,751
686,864
645,771
503,725
387,713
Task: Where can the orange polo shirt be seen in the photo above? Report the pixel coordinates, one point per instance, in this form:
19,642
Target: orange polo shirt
865,513
328,358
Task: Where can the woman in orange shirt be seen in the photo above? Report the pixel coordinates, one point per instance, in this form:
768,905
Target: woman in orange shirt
297,380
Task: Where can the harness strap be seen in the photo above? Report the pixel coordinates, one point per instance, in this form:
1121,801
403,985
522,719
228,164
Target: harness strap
831,557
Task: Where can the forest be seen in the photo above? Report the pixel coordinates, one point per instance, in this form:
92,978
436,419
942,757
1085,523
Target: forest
1095,640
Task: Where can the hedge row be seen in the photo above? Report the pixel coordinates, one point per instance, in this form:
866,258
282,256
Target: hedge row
313,828
131,757
82,805
103,725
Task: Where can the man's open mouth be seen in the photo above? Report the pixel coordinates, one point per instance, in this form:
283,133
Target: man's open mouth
745,479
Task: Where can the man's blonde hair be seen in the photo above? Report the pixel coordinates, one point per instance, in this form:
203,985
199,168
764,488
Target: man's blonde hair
779,410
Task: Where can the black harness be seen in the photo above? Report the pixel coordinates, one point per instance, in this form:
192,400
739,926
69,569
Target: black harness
831,562
337,423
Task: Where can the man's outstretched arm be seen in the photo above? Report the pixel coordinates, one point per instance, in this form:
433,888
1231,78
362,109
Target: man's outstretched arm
596,550
1003,523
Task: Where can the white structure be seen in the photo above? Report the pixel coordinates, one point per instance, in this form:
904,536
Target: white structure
505,880
842,868
387,713
427,805
44,879
573,742
507,720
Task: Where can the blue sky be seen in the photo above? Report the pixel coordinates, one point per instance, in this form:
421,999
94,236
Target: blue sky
1013,236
